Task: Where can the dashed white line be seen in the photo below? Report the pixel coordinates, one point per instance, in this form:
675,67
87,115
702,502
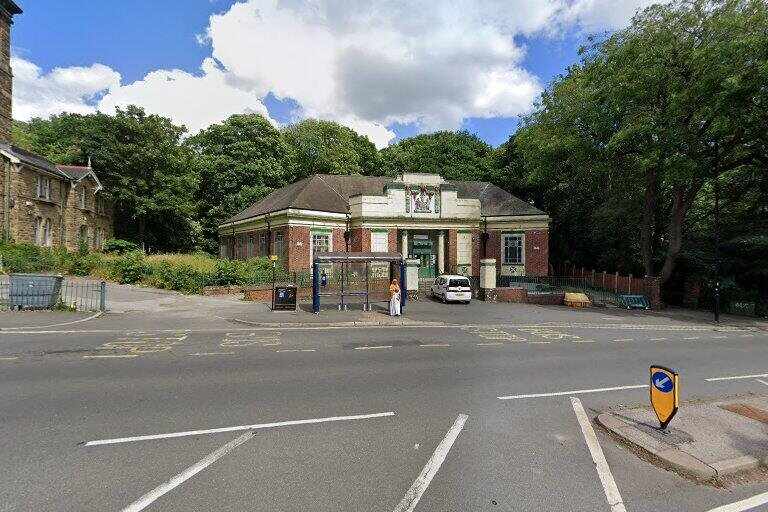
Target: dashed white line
495,343
113,356
583,341
213,354
574,392
296,350
612,494
375,347
692,338
185,475
657,339
8,358
419,486
435,345
746,504
239,427
624,339
737,377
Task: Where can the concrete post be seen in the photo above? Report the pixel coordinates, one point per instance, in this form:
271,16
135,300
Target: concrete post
488,279
441,253
412,278
404,243
102,296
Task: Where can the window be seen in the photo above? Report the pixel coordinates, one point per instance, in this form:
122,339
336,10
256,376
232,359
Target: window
279,245
82,196
98,238
82,235
263,245
38,231
43,187
379,241
47,233
251,246
512,249
321,242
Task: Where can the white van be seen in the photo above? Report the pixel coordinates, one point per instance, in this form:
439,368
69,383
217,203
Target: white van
452,288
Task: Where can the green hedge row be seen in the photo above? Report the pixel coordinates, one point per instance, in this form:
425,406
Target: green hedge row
187,274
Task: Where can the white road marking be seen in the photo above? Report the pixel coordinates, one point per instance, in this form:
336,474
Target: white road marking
583,341
574,392
489,344
296,350
188,473
612,494
374,347
737,377
747,504
115,356
657,339
239,427
624,339
435,345
213,354
95,315
761,381
8,358
719,337
539,342
692,338
414,494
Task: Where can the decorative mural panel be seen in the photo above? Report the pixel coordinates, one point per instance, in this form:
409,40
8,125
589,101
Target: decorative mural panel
422,199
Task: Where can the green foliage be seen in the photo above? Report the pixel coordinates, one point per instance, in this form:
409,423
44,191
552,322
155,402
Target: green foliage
326,147
118,246
453,155
129,268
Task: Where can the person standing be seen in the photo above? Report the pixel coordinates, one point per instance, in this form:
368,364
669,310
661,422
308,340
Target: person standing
394,298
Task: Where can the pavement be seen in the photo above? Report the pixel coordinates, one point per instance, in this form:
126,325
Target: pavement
484,407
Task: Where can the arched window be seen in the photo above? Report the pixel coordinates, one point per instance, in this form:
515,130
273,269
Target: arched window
82,237
47,233
38,231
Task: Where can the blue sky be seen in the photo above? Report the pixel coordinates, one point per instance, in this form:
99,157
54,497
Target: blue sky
108,48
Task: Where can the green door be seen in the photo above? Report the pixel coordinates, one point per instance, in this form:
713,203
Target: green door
423,248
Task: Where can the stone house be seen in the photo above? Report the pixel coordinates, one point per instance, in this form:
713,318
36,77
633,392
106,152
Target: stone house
448,225
42,203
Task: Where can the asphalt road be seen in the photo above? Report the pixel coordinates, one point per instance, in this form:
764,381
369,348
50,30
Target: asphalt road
66,387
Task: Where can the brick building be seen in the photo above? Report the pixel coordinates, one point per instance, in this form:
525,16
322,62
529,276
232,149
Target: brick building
43,203
448,225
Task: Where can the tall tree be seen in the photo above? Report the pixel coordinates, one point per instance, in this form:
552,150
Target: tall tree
326,147
663,107
238,162
453,155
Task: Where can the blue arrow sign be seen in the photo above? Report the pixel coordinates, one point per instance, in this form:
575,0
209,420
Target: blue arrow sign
662,382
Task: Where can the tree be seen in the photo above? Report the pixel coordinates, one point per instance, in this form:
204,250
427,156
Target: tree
652,115
453,155
238,162
326,147
141,163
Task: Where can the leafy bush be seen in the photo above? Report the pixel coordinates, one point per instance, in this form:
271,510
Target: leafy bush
117,246
129,268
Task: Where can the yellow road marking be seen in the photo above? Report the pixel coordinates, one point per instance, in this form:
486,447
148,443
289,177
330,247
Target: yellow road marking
117,356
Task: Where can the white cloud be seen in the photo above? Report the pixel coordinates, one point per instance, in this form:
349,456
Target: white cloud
195,101
72,89
365,64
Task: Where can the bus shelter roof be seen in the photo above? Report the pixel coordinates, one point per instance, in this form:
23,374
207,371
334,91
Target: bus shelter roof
330,257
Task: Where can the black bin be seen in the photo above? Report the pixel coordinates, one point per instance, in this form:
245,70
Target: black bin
284,297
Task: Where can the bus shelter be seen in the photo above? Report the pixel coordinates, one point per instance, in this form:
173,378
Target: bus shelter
356,278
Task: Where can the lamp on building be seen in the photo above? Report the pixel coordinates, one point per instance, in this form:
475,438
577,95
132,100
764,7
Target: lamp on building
484,237
347,232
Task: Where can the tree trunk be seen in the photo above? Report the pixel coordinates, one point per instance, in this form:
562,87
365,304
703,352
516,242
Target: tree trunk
647,234
683,199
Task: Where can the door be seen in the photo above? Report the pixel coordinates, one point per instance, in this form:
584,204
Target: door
423,248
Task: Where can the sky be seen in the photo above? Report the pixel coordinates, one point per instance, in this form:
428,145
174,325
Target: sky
387,68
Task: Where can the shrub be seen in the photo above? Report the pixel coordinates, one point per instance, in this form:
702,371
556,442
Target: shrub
117,246
129,268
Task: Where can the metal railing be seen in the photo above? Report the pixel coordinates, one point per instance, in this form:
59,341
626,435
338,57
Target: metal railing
55,292
541,285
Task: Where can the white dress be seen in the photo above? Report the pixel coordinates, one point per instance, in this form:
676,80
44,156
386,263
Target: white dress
394,305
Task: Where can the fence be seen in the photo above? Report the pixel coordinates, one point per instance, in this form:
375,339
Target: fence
603,289
71,295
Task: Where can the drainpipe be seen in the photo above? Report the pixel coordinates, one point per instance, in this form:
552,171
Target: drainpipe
7,201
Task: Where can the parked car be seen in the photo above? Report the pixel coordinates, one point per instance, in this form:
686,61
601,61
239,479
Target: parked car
452,288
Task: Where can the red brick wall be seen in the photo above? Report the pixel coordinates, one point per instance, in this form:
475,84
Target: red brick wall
361,240
452,248
537,252
476,252
493,248
298,248
338,240
511,295
394,241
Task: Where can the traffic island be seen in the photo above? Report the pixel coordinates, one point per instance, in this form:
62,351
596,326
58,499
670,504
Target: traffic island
707,440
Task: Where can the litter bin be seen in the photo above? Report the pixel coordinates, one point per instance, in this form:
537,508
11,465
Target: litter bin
34,291
284,297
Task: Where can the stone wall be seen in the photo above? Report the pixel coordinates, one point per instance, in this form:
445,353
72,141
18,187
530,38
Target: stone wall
6,79
27,207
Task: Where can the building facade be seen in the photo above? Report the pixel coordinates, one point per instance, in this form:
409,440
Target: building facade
448,225
42,203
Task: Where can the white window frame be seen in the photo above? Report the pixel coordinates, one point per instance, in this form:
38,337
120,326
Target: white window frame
44,188
48,232
383,235
516,236
312,235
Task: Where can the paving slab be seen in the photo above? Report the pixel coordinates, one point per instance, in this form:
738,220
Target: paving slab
706,439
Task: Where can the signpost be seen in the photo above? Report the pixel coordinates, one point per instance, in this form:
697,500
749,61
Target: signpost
665,396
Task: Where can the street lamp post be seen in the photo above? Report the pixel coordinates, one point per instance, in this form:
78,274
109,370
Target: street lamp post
717,249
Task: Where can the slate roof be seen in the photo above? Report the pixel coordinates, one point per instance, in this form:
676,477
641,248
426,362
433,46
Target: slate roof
31,159
75,172
331,193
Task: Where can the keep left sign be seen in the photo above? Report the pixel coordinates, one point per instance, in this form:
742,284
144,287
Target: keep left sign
664,393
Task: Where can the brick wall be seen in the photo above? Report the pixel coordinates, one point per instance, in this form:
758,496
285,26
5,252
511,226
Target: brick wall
6,79
338,240
361,240
537,252
452,250
521,295
394,241
298,248
476,252
493,248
